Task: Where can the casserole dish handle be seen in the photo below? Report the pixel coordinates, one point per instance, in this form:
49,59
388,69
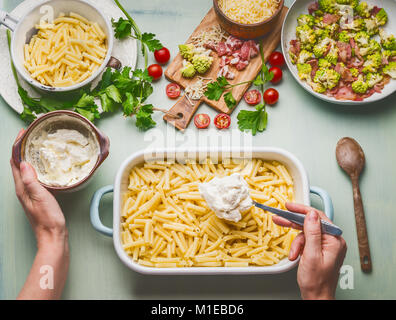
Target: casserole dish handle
326,199
7,20
98,225
94,211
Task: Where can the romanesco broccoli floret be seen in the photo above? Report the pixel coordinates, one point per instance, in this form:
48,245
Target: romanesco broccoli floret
202,63
354,72
390,69
318,13
388,42
371,26
363,10
352,3
372,47
362,39
317,87
372,63
323,63
332,29
373,78
357,25
386,54
304,71
359,86
306,19
306,36
304,56
320,49
188,70
328,6
381,17
321,34
332,56
329,78
187,51
344,36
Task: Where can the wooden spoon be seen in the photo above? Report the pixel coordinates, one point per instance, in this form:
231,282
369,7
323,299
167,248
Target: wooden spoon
350,158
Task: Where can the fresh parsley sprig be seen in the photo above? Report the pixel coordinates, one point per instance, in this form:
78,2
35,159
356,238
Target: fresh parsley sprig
123,29
257,121
216,89
254,121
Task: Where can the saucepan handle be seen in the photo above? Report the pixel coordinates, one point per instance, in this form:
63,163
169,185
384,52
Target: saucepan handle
7,20
94,211
326,199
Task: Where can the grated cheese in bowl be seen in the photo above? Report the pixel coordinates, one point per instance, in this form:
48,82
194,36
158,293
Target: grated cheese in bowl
249,11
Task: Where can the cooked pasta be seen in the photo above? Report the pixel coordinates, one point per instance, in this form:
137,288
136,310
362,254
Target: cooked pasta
65,52
167,224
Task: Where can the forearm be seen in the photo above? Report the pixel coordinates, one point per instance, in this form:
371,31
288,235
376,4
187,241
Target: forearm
48,274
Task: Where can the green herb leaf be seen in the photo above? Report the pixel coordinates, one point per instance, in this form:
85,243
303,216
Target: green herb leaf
144,121
216,89
254,121
122,28
113,93
230,100
129,105
149,40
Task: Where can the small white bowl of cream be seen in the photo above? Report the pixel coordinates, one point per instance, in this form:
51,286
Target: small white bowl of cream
64,148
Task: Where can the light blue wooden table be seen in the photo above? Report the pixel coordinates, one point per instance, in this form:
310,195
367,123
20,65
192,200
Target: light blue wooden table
300,123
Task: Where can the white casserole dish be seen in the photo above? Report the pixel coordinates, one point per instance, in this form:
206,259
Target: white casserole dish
295,167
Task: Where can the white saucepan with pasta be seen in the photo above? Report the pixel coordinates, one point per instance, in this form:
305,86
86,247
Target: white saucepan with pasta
162,225
60,45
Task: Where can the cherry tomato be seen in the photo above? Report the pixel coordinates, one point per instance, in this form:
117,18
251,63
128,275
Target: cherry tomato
202,121
271,96
253,97
277,59
162,56
278,74
222,121
173,90
155,71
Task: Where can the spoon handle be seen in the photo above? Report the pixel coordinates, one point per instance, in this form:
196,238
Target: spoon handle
364,249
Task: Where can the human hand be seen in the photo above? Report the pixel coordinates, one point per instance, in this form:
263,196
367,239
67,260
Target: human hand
41,207
322,255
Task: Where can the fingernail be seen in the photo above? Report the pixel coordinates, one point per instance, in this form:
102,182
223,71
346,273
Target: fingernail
313,216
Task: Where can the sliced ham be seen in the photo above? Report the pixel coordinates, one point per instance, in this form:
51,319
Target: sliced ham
225,72
354,46
221,49
241,65
345,93
314,65
313,7
211,46
375,10
234,43
330,18
345,51
345,73
254,49
355,62
295,47
245,51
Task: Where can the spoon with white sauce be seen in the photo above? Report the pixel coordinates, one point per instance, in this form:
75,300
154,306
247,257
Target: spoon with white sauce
229,197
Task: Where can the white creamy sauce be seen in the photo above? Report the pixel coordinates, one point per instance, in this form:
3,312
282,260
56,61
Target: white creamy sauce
64,157
228,197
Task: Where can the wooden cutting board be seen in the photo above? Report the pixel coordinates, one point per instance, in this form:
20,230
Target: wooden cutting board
183,107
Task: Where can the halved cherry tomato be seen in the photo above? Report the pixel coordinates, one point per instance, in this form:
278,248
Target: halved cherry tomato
173,90
155,71
222,121
253,97
278,74
202,121
162,56
277,59
271,96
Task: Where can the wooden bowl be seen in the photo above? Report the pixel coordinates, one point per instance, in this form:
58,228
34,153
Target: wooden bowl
247,31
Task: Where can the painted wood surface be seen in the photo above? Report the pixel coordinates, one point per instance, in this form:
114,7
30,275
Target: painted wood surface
300,123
